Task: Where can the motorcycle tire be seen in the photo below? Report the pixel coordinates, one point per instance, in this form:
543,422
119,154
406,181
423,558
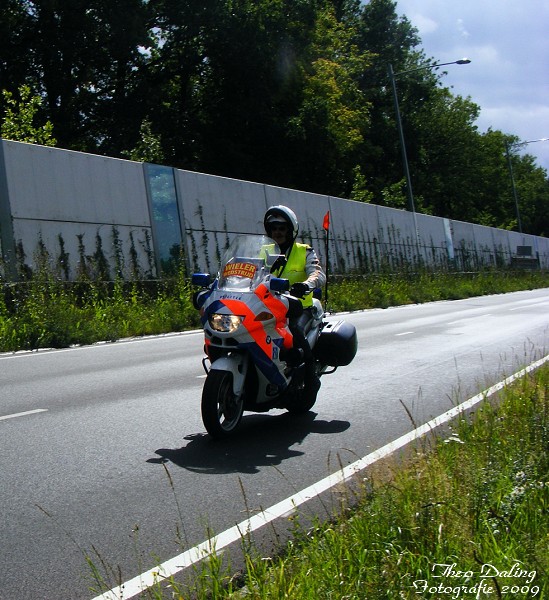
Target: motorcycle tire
221,409
301,402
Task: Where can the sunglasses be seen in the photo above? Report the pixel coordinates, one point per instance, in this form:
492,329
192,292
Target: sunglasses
279,227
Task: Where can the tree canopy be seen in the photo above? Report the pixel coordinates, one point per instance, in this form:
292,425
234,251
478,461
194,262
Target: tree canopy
294,93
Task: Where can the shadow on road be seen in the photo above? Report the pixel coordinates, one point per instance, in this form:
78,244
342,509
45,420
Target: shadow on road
262,440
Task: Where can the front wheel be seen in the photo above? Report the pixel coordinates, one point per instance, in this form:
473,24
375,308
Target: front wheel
221,408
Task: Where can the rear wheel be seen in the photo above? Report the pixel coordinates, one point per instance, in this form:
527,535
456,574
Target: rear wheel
304,395
221,408
302,400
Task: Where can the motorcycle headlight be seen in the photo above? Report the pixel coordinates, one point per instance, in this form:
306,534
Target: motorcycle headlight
224,323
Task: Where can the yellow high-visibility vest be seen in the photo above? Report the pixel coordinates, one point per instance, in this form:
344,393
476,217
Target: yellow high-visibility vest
294,270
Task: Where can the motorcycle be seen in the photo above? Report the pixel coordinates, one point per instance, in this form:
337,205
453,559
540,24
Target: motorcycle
251,363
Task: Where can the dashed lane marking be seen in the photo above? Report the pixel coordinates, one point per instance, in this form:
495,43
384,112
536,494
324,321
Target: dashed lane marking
23,414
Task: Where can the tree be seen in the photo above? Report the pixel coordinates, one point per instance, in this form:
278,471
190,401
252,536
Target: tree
390,39
293,93
177,74
84,57
532,189
333,114
20,118
149,146
448,154
252,87
15,42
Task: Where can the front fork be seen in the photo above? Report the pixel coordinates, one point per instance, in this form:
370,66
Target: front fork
235,363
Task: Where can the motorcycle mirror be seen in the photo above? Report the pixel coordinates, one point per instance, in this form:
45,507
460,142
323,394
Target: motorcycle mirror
279,285
201,279
273,259
278,264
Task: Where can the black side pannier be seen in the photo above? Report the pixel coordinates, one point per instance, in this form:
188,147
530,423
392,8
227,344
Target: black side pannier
337,344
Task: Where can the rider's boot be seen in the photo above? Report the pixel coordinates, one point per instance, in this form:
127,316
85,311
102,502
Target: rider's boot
293,357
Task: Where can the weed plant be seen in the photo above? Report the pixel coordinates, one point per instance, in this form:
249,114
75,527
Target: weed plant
464,516
381,290
47,312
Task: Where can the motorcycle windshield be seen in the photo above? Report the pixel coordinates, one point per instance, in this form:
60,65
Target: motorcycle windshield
246,262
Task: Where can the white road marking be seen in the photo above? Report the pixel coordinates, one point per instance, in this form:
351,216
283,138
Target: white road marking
529,305
134,340
216,544
533,301
23,414
404,333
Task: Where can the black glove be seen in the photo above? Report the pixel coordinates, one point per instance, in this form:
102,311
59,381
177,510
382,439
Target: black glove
298,290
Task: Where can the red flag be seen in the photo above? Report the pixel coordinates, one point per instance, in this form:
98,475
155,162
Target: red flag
326,223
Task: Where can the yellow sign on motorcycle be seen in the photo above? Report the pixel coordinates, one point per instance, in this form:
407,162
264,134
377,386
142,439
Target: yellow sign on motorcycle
239,269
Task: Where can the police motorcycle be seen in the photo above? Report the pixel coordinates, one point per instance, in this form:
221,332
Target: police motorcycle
251,363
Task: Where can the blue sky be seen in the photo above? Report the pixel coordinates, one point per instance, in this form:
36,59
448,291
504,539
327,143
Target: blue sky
507,42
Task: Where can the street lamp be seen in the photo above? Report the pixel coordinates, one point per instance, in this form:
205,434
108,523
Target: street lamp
510,164
392,76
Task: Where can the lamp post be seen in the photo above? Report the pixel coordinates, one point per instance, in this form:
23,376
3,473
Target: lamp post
510,164
392,77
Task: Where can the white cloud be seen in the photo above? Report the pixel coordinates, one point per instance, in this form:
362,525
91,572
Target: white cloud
527,120
424,24
508,45
461,28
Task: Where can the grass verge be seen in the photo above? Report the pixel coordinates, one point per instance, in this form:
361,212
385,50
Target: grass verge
48,313
392,289
467,519
464,516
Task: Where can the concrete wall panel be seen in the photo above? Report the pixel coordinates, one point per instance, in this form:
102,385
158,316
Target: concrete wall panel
434,242
354,235
218,203
52,192
213,210
65,254
53,184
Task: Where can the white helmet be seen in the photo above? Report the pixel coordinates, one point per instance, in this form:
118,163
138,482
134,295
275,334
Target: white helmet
281,214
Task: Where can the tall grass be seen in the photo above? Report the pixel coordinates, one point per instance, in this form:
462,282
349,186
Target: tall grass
46,312
470,515
466,516
392,289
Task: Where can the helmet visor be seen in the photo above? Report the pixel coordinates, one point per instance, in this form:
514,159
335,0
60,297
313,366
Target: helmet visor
277,222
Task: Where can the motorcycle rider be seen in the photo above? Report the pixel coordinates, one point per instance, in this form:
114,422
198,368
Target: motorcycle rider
303,270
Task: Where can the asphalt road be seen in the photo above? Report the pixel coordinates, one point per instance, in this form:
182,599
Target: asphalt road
115,462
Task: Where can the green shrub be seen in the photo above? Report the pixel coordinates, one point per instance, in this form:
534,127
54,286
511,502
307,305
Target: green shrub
47,312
